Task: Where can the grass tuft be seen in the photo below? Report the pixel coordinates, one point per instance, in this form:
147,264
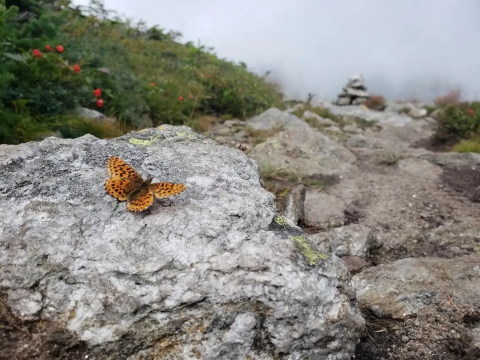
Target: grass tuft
467,146
260,136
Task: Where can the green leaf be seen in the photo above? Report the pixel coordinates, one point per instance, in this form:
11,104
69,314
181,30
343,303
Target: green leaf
108,93
16,57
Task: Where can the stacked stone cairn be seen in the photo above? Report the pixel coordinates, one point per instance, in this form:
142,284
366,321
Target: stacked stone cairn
354,93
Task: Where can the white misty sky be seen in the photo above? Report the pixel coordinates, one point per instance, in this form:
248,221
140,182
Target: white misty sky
404,48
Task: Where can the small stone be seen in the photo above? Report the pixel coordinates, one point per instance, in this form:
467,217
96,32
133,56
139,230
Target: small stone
295,203
354,263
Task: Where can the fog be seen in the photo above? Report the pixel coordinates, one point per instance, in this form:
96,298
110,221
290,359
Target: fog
404,48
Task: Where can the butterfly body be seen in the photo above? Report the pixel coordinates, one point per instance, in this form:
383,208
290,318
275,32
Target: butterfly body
125,184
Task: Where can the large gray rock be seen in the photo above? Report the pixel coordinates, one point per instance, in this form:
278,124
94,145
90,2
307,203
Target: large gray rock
209,274
305,152
404,287
276,118
436,300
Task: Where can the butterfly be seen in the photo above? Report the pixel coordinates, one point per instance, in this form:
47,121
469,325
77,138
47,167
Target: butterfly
127,184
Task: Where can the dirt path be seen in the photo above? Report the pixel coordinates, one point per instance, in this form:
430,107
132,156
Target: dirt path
416,208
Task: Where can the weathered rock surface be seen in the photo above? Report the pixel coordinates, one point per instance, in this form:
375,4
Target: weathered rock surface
414,110
420,207
436,301
92,114
295,204
350,240
392,139
381,117
402,288
453,159
230,133
202,275
303,151
323,210
420,168
276,118
89,113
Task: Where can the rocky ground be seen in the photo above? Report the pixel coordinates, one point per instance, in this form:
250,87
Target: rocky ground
404,218
223,274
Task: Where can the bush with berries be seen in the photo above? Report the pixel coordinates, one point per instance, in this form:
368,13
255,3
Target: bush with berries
58,58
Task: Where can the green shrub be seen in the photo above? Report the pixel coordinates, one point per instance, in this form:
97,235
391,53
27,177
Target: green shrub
430,109
458,122
145,76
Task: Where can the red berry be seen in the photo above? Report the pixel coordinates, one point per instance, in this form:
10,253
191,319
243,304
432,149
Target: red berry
37,53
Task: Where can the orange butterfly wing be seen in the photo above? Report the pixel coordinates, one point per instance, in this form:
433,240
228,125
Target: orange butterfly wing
164,189
119,188
124,179
119,168
140,200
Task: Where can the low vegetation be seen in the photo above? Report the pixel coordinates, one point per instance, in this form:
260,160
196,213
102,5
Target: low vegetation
458,122
320,111
259,136
472,145
55,59
376,102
